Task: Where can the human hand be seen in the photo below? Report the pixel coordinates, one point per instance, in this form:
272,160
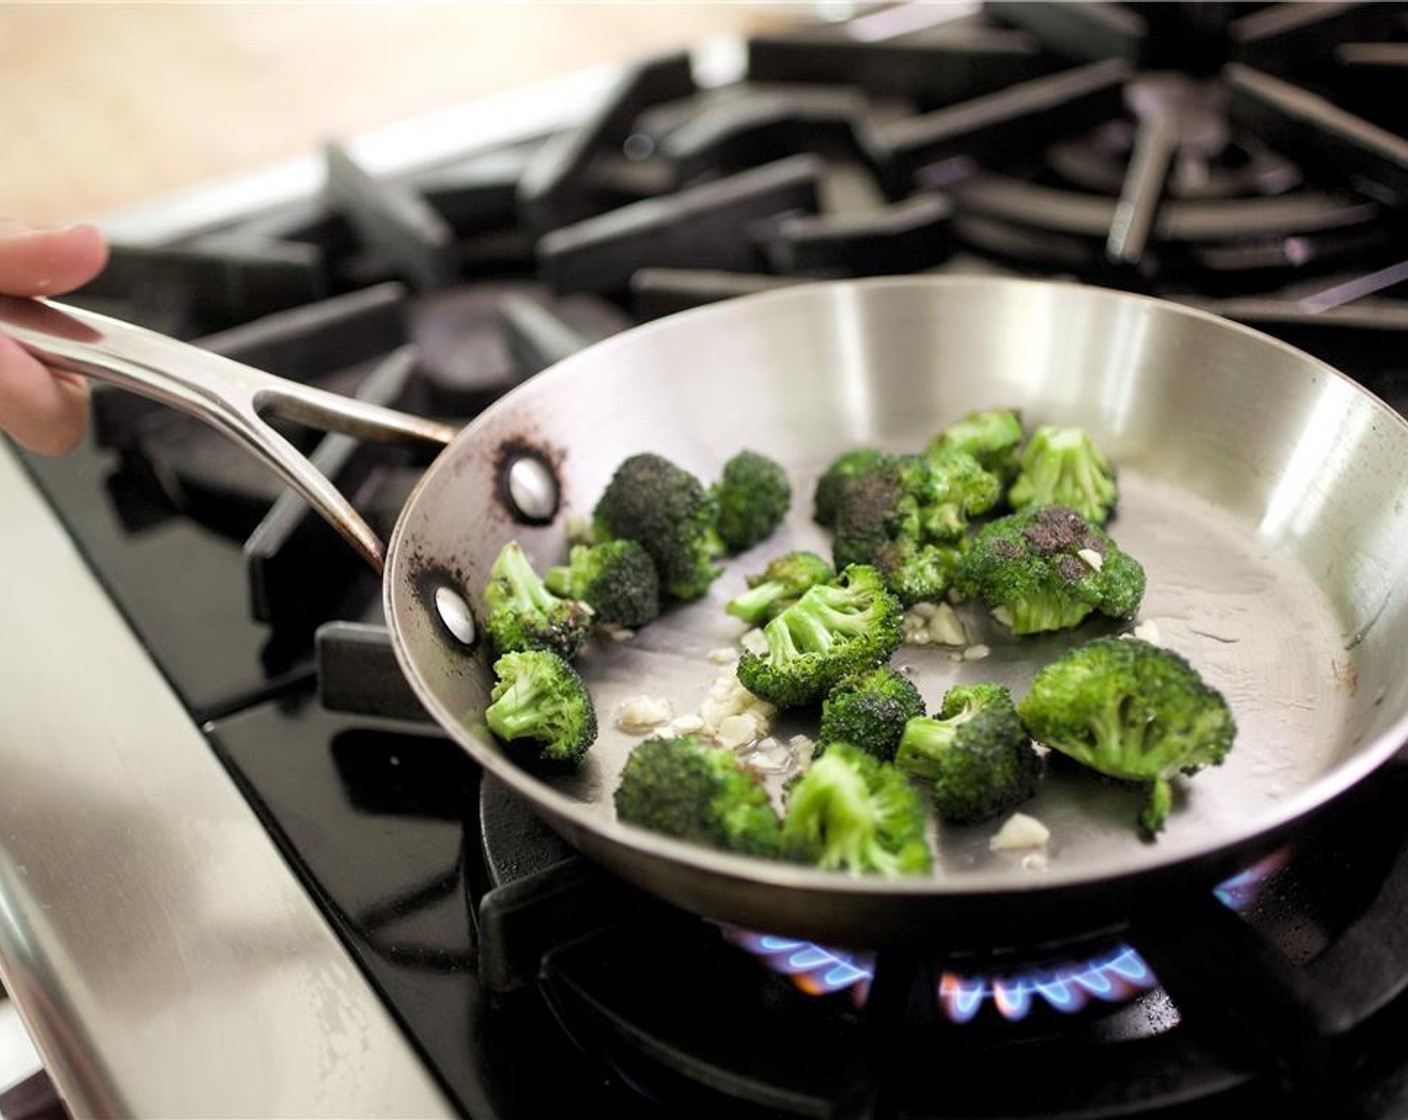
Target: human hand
44,409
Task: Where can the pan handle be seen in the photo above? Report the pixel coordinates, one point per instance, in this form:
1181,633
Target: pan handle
230,397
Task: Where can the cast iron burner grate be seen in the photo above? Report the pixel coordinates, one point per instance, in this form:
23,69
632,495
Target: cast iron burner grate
1260,984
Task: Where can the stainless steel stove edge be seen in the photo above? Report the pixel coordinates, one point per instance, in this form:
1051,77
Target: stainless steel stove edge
163,955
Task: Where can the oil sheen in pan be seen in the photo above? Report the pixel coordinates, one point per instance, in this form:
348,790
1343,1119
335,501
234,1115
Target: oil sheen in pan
1253,622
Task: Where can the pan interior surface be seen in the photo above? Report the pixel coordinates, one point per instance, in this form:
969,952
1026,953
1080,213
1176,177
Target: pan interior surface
1262,492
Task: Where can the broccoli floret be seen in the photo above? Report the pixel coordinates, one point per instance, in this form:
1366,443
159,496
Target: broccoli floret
1131,710
1047,569
1063,467
975,751
835,479
782,583
993,437
869,711
852,811
616,579
685,788
670,514
881,503
752,499
906,498
963,489
918,573
524,614
832,630
539,696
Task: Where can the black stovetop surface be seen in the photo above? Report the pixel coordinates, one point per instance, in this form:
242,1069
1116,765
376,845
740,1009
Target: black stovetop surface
1247,158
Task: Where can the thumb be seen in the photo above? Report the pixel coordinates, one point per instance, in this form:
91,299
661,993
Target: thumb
36,262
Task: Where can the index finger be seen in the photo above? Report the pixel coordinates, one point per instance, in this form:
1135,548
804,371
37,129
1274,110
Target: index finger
38,262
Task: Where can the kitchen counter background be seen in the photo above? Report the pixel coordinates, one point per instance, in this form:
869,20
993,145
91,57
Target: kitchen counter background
111,104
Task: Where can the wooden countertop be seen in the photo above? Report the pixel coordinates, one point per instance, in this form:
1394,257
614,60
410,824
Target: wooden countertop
111,104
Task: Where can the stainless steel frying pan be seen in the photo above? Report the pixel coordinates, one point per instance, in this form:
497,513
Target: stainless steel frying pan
1266,495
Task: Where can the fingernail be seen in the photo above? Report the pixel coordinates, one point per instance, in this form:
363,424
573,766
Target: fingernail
12,229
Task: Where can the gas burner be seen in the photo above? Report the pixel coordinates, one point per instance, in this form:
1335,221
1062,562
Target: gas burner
1205,161
1112,974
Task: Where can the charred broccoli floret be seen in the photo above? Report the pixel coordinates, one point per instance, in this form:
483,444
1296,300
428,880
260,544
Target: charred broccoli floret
616,579
1047,569
538,696
918,573
993,437
1131,710
853,812
670,514
832,630
781,583
1063,467
886,501
752,498
835,479
869,711
524,614
687,789
975,751
906,498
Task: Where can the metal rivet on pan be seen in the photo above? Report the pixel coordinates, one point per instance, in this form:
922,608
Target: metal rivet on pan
532,489
454,613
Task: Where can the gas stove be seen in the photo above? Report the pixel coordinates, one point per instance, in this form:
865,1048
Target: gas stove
426,944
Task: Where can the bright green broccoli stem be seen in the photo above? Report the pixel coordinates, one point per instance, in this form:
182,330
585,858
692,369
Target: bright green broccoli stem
540,696
527,592
1118,734
754,604
840,818
1037,612
1157,808
926,738
823,615
1064,467
526,708
922,744
782,646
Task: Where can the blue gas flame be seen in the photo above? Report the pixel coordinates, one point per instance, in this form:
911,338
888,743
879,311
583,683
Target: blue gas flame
1113,976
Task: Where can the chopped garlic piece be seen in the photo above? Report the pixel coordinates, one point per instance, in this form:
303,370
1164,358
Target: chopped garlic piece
580,529
1019,831
1003,615
754,641
1148,631
1091,557
925,610
765,763
945,627
1034,861
619,633
736,731
723,656
976,652
686,725
643,713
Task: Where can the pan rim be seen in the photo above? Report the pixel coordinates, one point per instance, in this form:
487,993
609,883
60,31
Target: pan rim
565,812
